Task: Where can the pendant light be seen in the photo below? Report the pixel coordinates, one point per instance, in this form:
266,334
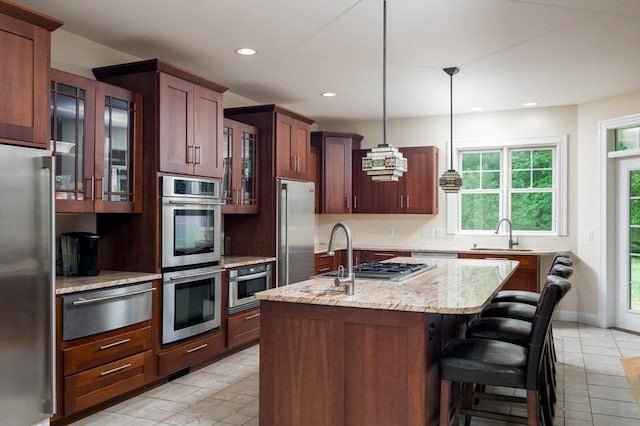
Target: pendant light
384,162
451,181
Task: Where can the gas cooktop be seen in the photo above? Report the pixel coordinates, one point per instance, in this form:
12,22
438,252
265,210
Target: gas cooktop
386,270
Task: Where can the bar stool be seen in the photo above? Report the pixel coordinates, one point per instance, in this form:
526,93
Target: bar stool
499,363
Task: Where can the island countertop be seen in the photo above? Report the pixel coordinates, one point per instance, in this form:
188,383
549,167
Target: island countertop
453,286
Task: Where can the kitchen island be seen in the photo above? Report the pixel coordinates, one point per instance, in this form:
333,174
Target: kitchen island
371,358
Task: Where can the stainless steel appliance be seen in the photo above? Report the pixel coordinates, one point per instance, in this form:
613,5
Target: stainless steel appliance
79,253
191,302
191,221
27,272
97,311
295,236
244,283
392,271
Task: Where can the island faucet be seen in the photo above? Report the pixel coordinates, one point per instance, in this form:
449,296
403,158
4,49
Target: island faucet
349,280
511,242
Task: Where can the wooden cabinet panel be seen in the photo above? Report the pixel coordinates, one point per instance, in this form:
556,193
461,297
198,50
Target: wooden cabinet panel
185,355
243,327
207,132
96,136
105,350
416,192
380,255
335,175
291,147
100,384
365,190
325,263
240,167
524,278
25,42
176,125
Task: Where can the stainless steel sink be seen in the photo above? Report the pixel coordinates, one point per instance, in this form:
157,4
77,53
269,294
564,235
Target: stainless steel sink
321,291
499,249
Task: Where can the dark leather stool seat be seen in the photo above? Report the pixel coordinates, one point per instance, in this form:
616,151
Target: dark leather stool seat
484,361
531,297
504,329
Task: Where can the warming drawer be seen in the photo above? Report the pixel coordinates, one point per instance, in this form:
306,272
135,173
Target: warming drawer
98,311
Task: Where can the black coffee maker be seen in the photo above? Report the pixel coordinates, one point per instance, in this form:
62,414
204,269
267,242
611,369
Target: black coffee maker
79,254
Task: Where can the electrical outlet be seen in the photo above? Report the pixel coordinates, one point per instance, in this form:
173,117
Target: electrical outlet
427,232
391,230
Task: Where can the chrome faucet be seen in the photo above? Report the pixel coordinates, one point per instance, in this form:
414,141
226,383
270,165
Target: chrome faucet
511,242
349,280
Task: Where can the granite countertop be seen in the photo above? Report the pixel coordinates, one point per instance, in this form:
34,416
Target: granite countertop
239,261
104,279
322,248
454,286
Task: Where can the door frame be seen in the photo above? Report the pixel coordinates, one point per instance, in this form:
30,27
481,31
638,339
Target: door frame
607,247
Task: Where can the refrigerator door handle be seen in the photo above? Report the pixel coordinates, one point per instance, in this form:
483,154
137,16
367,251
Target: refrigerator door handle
286,233
50,402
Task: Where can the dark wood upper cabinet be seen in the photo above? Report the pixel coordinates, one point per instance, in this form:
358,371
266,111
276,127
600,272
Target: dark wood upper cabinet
25,41
96,137
184,115
292,146
240,163
416,192
334,181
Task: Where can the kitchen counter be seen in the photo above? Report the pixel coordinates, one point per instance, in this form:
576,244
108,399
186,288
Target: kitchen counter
371,358
322,248
104,279
454,286
229,262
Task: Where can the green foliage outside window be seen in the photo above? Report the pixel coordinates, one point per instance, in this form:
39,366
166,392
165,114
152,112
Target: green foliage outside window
530,194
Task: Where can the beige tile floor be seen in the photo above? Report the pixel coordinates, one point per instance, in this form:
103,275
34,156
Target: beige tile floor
592,388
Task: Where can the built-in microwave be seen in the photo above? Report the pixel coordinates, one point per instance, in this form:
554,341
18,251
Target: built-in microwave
244,283
191,303
191,221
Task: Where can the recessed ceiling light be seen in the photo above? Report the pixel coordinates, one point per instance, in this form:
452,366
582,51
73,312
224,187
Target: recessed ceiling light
530,104
246,51
328,94
477,108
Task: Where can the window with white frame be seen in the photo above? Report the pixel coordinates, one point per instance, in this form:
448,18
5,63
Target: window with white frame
523,180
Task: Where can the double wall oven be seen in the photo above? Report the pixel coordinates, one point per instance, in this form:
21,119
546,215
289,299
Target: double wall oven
192,276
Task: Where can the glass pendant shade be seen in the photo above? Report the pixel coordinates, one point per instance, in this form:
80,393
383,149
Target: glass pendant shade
451,181
384,162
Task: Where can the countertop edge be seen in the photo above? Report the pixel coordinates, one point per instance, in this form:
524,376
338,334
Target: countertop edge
322,248
106,279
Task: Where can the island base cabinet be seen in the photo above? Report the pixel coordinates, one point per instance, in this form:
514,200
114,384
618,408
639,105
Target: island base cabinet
334,366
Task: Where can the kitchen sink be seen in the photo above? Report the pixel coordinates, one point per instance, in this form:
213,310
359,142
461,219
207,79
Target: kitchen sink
322,291
499,249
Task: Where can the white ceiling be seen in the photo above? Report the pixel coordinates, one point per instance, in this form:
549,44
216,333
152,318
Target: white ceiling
555,52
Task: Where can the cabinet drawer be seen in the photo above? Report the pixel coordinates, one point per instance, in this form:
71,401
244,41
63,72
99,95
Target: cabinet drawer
243,327
188,354
323,263
106,350
100,384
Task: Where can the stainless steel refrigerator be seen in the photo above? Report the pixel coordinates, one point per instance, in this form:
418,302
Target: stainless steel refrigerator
27,287
295,233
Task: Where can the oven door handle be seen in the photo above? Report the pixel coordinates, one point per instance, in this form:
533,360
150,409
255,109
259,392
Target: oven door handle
201,274
250,277
115,296
198,203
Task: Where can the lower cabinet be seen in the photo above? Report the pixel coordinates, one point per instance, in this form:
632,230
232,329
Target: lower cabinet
185,355
243,327
101,367
323,262
524,278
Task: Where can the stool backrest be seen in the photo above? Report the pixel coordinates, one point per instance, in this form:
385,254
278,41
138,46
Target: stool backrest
555,288
561,271
562,261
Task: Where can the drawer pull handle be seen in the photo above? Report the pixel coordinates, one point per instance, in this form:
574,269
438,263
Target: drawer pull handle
114,370
324,269
116,296
197,348
110,345
250,317
384,254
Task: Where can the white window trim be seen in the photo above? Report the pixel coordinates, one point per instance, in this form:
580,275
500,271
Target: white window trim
560,143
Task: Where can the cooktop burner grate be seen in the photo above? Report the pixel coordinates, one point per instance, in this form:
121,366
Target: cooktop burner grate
386,270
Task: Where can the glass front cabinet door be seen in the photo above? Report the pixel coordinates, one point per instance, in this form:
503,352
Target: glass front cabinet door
239,182
96,138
